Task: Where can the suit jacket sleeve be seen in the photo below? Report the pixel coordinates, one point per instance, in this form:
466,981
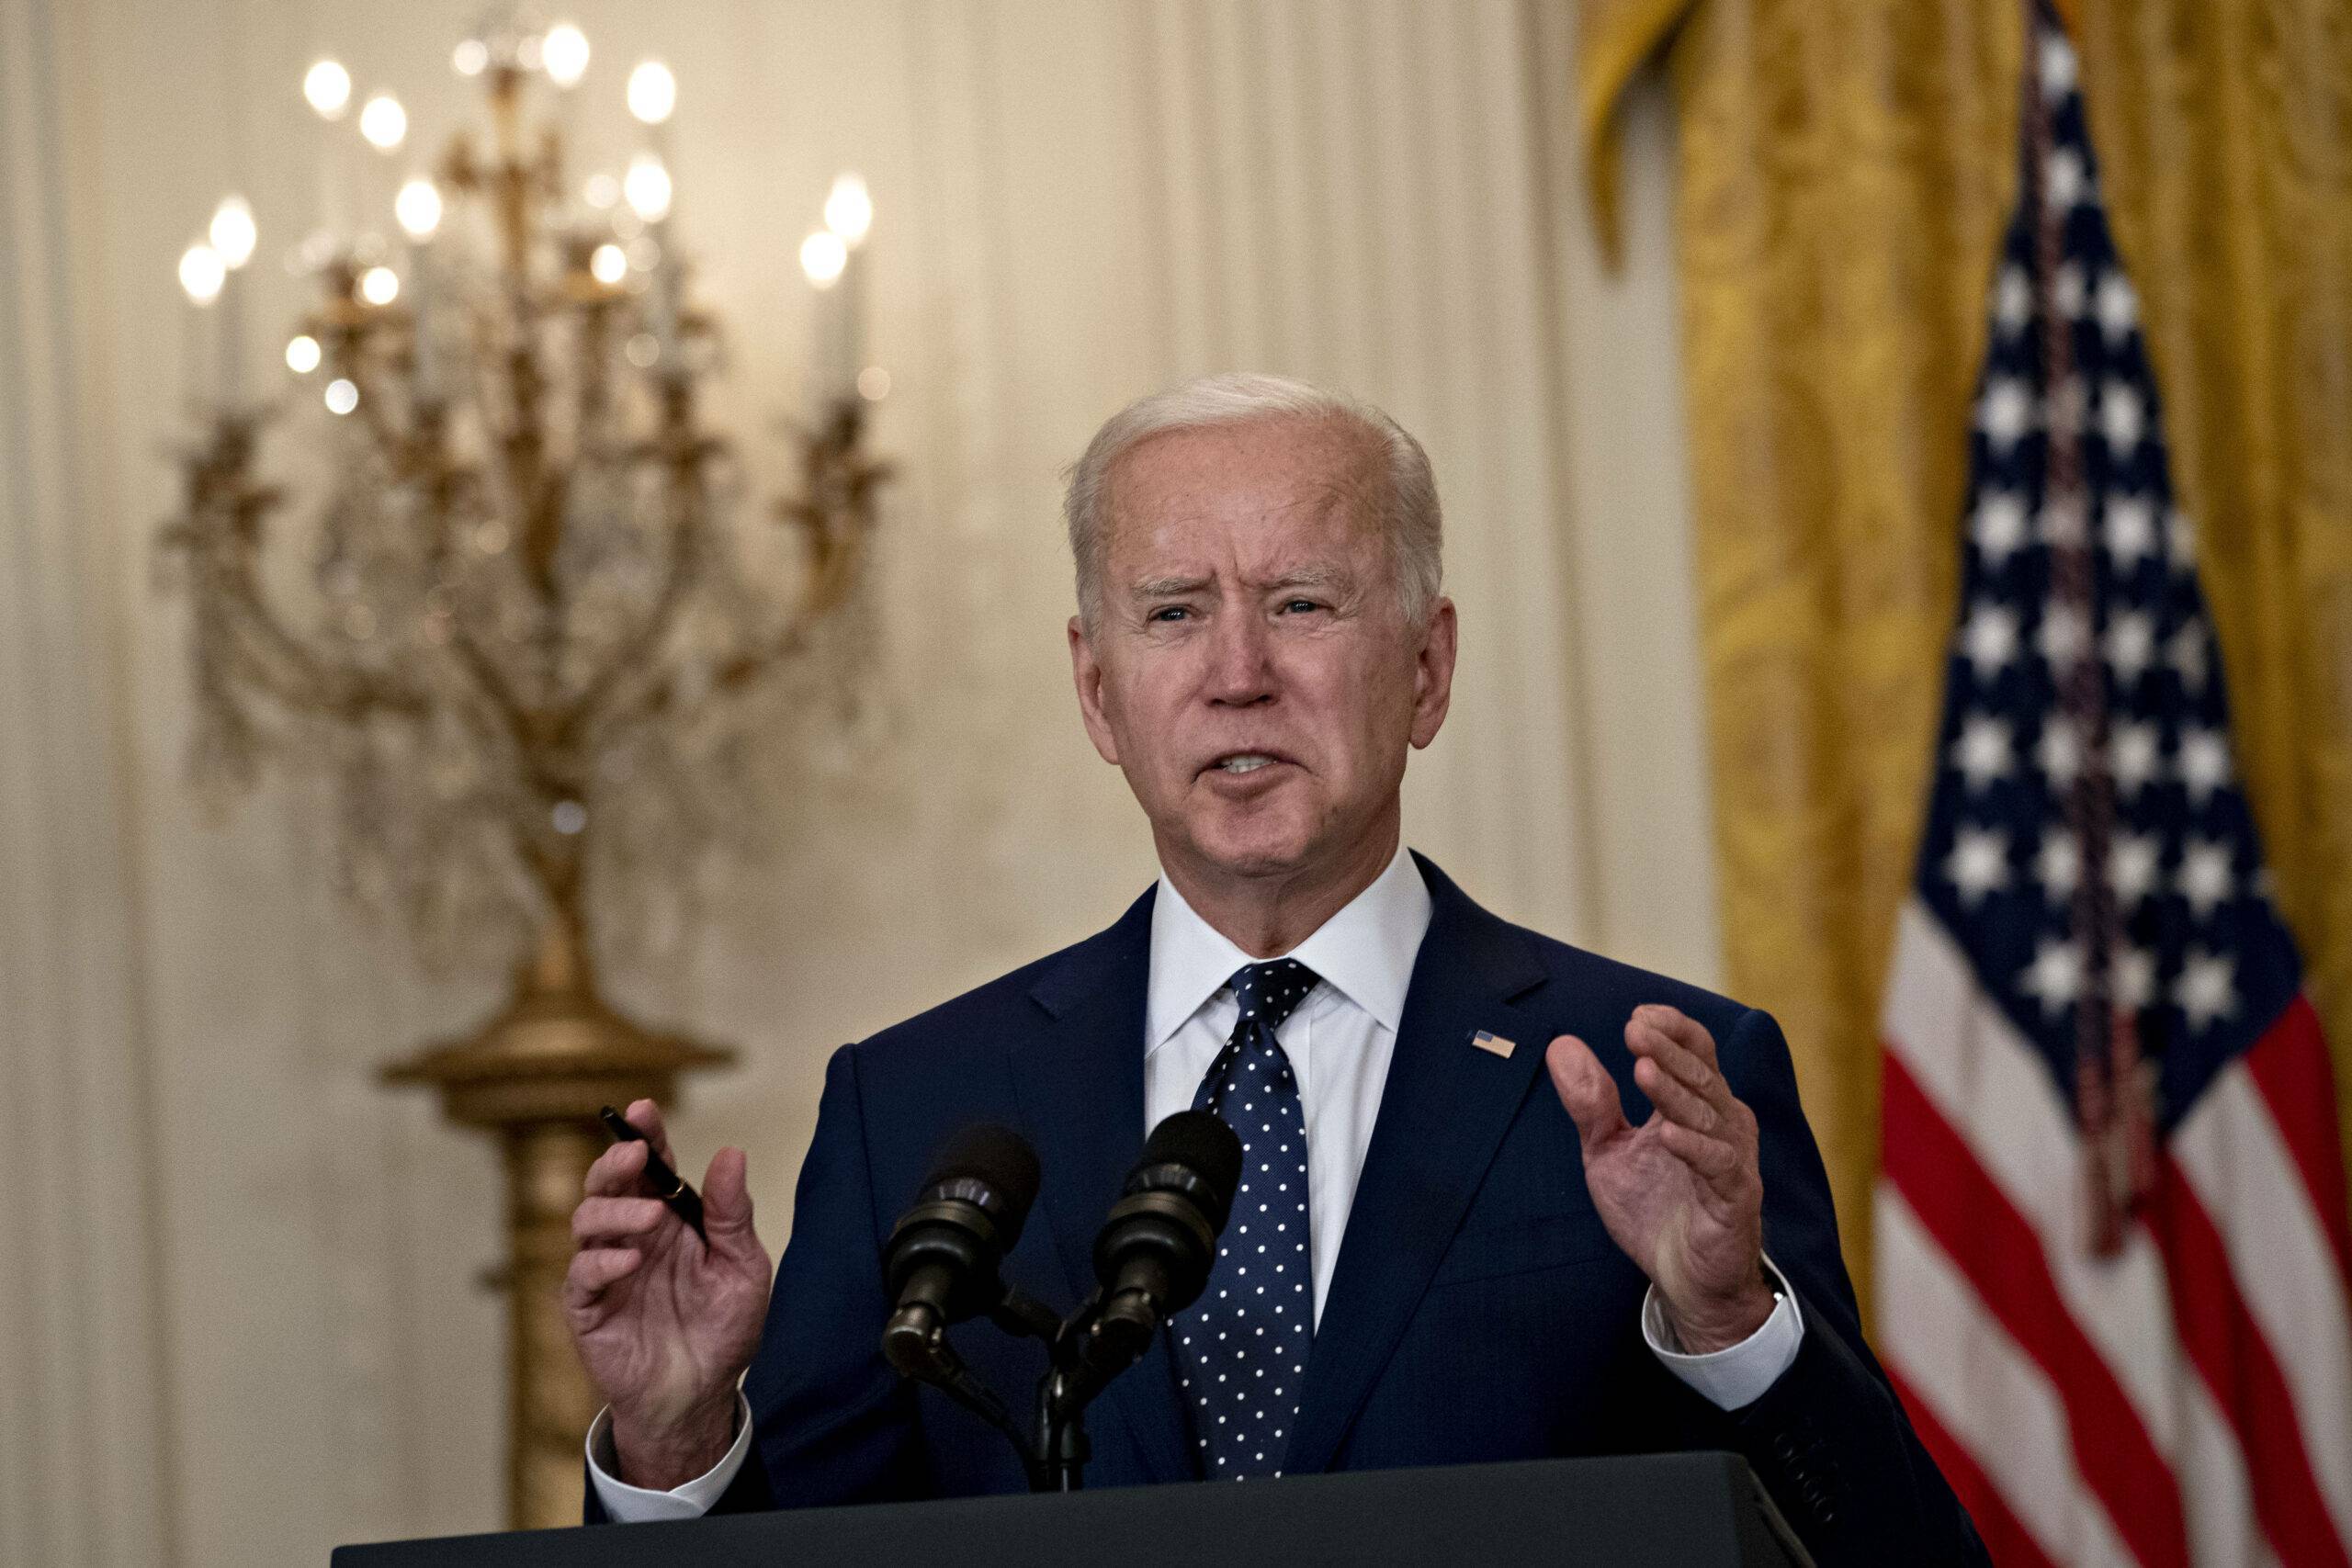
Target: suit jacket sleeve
1828,1440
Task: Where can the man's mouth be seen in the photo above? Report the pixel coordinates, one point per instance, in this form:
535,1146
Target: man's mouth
1238,763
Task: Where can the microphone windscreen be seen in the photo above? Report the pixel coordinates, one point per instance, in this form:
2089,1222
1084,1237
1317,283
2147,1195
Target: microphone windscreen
1202,1143
1000,1159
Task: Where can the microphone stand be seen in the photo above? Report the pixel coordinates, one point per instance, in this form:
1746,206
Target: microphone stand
1069,1386
1062,1444
926,1355
1086,1350
1095,1344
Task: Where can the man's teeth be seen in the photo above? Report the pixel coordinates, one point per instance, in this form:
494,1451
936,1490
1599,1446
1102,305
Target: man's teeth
1244,764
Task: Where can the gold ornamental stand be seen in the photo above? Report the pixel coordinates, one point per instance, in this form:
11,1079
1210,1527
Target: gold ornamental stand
534,1075
527,578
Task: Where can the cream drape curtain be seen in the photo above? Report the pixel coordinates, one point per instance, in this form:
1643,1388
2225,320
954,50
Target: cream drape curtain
85,1475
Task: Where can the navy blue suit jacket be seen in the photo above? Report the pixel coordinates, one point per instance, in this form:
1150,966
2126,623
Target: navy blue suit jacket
1478,1310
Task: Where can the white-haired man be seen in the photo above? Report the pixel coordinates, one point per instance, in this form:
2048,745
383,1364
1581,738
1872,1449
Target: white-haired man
1455,1259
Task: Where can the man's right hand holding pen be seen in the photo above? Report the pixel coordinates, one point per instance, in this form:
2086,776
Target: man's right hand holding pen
666,1321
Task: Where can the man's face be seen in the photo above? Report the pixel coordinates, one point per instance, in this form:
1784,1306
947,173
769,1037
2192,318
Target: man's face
1252,672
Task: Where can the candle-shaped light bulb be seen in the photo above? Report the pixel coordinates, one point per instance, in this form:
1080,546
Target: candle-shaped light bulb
608,263
418,208
302,354
829,259
233,231
823,256
380,286
383,122
202,273
849,210
471,58
564,52
327,88
647,186
652,92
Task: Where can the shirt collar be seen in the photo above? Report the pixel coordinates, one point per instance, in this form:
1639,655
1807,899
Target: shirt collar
1366,951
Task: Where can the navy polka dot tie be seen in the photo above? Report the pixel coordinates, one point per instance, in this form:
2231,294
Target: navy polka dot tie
1242,1349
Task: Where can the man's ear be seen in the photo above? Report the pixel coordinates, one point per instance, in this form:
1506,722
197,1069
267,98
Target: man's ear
1086,670
1433,673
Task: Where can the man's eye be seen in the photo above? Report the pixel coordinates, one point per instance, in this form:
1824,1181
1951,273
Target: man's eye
1294,605
1169,613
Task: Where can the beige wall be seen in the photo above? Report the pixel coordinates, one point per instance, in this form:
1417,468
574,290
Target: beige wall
240,1315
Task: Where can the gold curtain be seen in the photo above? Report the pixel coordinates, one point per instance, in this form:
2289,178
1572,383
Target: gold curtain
1846,171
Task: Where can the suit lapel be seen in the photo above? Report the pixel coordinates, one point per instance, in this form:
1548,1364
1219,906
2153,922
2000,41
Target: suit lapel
1443,1114
1078,1081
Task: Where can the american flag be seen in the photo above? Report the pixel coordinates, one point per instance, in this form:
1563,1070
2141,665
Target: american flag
2111,1255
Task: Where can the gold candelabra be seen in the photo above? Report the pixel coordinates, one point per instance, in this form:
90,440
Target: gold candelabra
529,647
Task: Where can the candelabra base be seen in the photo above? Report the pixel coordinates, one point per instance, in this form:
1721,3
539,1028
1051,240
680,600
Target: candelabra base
535,1075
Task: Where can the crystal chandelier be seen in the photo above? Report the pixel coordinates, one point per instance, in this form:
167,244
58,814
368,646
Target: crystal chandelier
527,625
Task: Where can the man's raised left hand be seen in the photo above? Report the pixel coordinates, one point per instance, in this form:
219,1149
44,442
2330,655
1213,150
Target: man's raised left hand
1681,1193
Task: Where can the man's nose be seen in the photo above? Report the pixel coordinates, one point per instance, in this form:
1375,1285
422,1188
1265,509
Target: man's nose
1241,671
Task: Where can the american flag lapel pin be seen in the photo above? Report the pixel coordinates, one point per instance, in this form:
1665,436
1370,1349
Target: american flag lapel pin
1494,1044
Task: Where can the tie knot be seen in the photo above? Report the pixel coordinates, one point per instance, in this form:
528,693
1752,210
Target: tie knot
1271,992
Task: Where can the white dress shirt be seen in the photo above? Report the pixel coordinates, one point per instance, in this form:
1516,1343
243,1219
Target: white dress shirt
1338,1040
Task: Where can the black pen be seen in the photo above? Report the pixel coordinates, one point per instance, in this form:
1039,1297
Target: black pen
667,1184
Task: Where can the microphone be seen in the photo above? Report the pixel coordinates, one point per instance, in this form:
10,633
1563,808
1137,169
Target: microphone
1154,1253
944,1253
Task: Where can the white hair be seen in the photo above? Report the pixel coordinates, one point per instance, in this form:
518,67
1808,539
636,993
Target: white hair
1408,513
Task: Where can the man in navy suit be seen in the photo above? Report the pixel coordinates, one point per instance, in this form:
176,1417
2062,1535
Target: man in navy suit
1506,1199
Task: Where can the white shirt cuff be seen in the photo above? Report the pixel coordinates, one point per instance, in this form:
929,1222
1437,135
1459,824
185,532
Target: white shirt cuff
634,1504
1736,1374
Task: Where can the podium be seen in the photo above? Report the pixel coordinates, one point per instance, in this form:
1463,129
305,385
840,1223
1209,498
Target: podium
1689,1510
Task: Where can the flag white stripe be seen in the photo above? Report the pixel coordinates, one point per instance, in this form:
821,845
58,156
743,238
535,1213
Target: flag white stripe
2234,1154
1987,1393
2215,1495
1980,1074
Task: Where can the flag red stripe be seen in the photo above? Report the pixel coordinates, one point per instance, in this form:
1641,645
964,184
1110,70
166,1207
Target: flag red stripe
2226,1346
1988,1240
2010,1545
2289,1065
